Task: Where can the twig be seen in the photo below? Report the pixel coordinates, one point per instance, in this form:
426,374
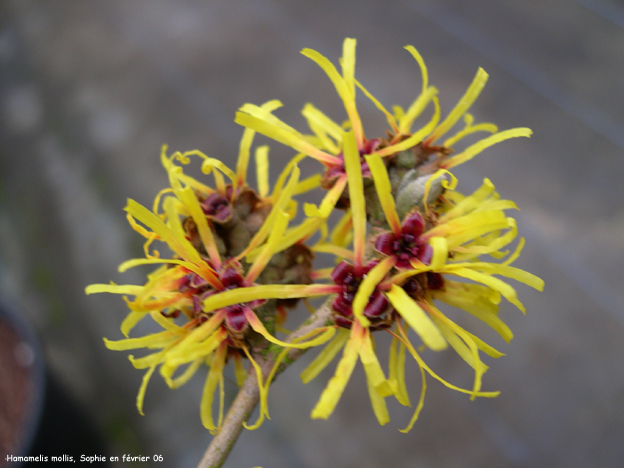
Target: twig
249,394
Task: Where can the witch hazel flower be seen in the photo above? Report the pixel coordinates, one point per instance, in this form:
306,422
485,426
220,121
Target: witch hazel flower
214,281
425,250
406,244
418,256
354,336
419,147
407,241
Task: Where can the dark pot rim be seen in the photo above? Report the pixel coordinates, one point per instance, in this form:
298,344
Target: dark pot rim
11,316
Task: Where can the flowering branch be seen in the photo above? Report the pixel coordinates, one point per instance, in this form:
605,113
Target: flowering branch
405,237
249,394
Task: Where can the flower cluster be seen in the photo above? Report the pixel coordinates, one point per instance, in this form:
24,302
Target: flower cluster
407,239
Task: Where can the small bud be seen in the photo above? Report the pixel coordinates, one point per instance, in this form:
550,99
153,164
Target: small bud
412,190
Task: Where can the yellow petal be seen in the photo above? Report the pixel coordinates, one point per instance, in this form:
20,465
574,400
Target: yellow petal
262,165
506,290
341,234
356,196
378,403
212,163
308,184
332,393
511,272
189,199
294,140
473,224
239,370
512,258
145,361
447,185
466,347
384,191
424,366
264,407
421,403
166,323
182,355
468,130
326,356
440,252
374,373
130,321
155,340
268,291
421,64
391,120
475,149
149,261
417,107
469,203
312,114
186,375
243,157
270,248
338,252
331,198
203,331
348,64
146,378
245,147
469,97
343,87
176,240
278,207
258,327
367,287
281,180
214,377
416,318
396,368
415,138
475,305
114,289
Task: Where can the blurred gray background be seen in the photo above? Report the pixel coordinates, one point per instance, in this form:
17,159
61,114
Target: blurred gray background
90,90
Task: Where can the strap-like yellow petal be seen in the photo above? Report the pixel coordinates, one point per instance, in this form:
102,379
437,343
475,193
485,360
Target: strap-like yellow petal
353,168
416,318
417,107
384,191
262,168
326,356
294,140
368,285
258,327
475,149
374,373
155,340
391,120
334,389
469,97
212,379
415,138
396,367
440,252
114,289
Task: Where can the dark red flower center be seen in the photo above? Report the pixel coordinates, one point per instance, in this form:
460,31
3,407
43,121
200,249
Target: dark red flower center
344,275
199,289
406,245
217,207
